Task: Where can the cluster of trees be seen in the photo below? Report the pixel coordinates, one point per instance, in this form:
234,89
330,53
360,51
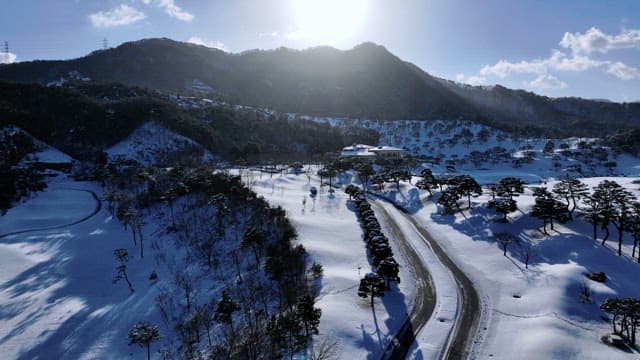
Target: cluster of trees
625,317
240,287
375,283
16,180
82,119
452,188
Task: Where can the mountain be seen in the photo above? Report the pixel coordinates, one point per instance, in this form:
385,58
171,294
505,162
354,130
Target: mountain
366,81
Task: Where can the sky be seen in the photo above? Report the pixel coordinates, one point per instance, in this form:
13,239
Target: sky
587,48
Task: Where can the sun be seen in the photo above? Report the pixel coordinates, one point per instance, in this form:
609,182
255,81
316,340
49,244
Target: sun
328,21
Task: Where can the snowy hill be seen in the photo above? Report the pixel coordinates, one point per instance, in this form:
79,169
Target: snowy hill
152,144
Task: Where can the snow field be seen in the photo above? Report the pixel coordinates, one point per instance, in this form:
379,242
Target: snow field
329,230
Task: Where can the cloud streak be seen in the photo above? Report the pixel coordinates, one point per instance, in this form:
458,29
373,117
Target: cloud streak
118,16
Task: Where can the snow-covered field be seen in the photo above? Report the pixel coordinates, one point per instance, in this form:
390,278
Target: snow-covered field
57,299
329,230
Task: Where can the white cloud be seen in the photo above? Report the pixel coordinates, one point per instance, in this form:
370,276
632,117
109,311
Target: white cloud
170,7
503,68
212,44
557,61
596,40
622,71
471,80
547,82
7,57
121,15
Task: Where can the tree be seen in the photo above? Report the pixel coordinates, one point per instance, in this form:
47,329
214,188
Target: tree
603,199
548,209
308,314
364,171
505,239
467,186
448,200
621,215
503,206
255,239
144,334
389,269
548,147
510,187
122,256
570,190
626,314
634,227
427,182
225,308
372,285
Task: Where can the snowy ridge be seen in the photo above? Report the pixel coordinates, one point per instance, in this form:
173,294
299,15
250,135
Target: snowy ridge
152,143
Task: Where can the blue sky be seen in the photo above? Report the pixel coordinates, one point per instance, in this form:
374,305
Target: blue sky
557,48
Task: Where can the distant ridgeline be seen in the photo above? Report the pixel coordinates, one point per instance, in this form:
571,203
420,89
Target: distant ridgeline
366,81
84,118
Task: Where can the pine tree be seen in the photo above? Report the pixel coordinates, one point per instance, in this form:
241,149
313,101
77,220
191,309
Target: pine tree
503,206
143,334
226,307
466,185
510,187
308,314
547,208
570,190
621,215
389,269
372,285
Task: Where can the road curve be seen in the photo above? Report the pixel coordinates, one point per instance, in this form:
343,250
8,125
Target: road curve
83,219
425,299
468,316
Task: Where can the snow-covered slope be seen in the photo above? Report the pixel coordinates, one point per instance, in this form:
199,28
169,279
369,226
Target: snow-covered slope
152,143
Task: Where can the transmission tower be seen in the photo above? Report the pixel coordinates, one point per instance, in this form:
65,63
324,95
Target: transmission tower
105,44
6,47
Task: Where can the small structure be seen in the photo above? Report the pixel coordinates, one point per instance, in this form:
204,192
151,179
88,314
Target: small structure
372,152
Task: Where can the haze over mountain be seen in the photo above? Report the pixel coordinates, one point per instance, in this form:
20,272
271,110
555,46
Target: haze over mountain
366,81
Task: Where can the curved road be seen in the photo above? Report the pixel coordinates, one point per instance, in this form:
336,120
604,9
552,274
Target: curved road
468,316
425,300
83,219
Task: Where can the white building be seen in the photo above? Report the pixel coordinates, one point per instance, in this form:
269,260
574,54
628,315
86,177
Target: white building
372,152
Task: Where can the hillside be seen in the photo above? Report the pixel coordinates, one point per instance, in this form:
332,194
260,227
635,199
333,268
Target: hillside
366,81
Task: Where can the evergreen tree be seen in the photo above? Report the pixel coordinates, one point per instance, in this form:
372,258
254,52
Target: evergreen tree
122,256
389,269
621,215
226,307
143,334
510,187
570,190
308,314
548,209
503,206
372,285
467,186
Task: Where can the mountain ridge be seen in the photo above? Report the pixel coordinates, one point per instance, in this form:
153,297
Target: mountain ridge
365,81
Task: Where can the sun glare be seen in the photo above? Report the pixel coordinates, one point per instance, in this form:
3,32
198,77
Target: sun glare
328,21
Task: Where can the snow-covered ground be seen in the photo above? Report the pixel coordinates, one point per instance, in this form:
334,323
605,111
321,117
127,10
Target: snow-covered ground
152,142
536,313
57,300
328,228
